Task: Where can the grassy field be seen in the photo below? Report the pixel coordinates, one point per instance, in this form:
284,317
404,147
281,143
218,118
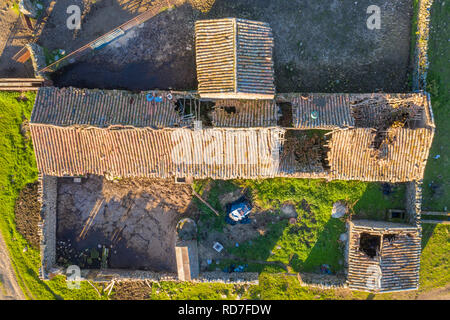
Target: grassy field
435,265
435,261
437,173
17,168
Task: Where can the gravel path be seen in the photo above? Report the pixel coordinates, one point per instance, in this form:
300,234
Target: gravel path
9,288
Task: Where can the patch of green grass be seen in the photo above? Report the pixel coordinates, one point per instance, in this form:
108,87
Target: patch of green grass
435,260
313,240
374,204
270,286
15,7
17,168
167,290
283,287
437,173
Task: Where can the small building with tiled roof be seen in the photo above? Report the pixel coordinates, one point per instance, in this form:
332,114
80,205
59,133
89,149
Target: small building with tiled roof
234,59
383,256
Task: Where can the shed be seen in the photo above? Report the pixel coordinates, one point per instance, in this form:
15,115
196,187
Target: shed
234,59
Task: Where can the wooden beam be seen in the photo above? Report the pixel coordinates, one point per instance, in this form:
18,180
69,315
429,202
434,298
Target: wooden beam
436,221
22,79
435,213
18,88
206,203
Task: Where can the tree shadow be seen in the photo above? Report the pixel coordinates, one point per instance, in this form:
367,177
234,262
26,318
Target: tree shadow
427,233
158,53
326,250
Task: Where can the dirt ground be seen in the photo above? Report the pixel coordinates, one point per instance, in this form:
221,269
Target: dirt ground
13,36
27,211
325,46
131,290
9,288
320,46
136,219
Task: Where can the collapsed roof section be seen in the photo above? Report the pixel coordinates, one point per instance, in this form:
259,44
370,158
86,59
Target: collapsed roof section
331,111
401,156
395,152
383,256
234,59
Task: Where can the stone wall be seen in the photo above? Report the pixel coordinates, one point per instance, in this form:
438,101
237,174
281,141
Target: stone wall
47,228
225,277
107,275
421,50
413,201
37,59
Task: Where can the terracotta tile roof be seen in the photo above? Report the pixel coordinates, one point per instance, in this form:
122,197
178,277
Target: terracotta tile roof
333,111
234,59
144,152
401,157
353,153
396,264
103,108
338,110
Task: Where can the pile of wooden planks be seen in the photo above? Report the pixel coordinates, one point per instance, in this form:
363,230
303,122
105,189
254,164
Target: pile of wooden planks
20,84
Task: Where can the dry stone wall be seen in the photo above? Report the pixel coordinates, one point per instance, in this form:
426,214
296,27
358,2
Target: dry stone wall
47,227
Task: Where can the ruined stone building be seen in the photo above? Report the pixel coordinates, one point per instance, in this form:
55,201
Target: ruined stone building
383,256
236,126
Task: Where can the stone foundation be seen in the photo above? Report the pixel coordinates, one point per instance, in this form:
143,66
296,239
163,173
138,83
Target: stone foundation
107,275
47,228
37,59
413,201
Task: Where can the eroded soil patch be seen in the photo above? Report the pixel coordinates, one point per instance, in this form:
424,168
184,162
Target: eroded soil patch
27,210
135,218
